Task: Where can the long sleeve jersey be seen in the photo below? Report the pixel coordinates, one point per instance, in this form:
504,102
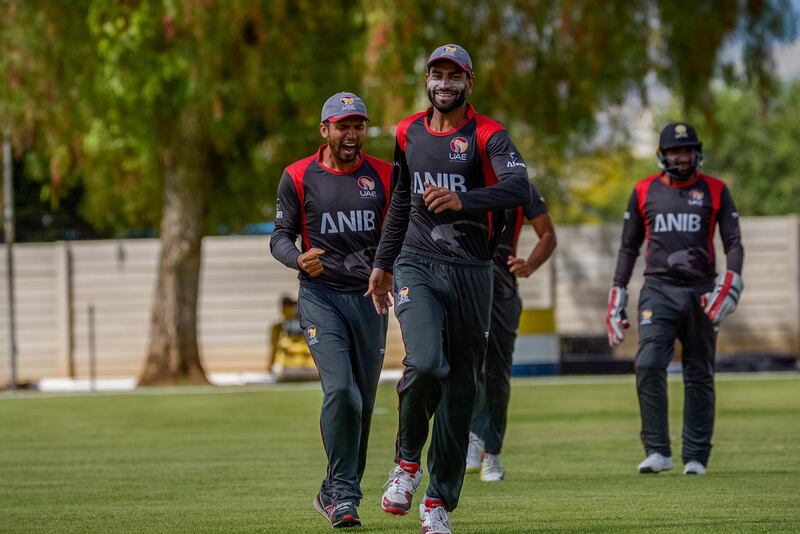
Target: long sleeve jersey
340,213
677,222
505,283
476,160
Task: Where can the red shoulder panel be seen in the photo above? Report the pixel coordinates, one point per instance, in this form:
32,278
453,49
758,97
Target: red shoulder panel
297,171
402,129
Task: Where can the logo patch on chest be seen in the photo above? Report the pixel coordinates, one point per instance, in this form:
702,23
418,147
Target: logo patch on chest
696,197
458,148
367,186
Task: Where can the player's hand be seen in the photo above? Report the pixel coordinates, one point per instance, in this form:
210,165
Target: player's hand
616,317
380,289
519,267
724,298
310,261
438,199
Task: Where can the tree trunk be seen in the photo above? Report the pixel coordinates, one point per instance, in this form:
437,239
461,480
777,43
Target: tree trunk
173,356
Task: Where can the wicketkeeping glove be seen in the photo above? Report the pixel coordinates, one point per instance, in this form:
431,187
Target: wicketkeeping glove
616,318
722,301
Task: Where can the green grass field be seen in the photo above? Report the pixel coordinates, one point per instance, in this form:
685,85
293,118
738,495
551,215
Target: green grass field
250,460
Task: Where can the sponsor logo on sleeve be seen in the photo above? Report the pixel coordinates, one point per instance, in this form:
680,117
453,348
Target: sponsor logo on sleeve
278,210
514,160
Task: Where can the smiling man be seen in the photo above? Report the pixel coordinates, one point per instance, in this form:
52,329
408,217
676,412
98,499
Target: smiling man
452,168
336,200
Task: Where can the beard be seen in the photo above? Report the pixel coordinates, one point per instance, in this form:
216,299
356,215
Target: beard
458,101
343,155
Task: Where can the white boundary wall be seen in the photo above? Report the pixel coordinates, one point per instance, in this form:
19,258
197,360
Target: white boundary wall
241,287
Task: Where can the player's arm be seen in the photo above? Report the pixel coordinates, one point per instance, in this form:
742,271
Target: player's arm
536,213
395,225
724,298
633,232
287,228
523,268
512,188
396,222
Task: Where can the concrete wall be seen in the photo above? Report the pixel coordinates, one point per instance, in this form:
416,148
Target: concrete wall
241,287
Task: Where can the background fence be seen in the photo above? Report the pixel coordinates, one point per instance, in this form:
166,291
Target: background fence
241,288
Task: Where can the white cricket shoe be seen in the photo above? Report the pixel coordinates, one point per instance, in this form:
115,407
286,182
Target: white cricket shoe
474,453
434,517
655,463
693,467
399,490
491,470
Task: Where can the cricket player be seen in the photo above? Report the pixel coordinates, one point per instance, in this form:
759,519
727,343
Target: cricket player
336,200
675,213
452,168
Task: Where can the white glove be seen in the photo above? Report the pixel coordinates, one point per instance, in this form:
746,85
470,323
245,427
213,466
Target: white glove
722,301
616,318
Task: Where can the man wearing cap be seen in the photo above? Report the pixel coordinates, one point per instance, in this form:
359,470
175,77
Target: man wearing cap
675,214
336,201
452,169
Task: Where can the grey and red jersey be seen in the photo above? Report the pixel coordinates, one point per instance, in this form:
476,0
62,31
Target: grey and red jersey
340,213
505,283
677,222
476,160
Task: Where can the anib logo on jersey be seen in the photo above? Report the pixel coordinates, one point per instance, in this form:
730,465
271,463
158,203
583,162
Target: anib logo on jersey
696,197
311,335
458,148
402,296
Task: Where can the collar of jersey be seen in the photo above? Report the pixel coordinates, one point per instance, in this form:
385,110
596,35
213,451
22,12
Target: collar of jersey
342,173
429,111
680,185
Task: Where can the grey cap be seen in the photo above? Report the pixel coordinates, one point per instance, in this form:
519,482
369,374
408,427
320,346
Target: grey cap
343,105
454,54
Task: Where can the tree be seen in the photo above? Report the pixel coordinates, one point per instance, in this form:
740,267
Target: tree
160,107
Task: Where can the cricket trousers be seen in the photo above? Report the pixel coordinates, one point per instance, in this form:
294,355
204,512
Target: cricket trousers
668,312
443,305
494,382
347,341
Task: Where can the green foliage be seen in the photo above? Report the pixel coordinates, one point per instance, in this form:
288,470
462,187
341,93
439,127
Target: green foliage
93,90
755,149
250,460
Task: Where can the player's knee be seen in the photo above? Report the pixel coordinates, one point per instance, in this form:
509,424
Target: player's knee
344,396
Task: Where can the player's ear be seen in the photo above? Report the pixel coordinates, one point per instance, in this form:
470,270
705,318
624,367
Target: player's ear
323,129
470,83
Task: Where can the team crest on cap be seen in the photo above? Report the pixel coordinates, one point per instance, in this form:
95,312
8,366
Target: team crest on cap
449,50
681,131
311,335
647,317
367,186
402,296
347,100
696,197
